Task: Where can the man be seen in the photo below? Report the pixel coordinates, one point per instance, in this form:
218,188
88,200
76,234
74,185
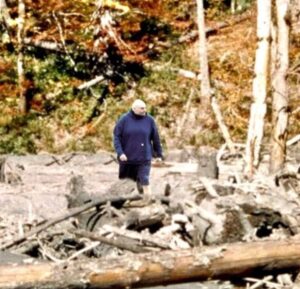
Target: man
136,142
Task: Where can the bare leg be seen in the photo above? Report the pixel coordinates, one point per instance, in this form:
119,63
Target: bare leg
147,192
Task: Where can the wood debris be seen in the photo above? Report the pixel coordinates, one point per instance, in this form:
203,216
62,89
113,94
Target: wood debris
93,218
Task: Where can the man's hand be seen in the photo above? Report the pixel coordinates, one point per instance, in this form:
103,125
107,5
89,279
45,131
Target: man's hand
123,158
157,161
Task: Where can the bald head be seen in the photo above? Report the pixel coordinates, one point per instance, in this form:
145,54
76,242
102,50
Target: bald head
139,107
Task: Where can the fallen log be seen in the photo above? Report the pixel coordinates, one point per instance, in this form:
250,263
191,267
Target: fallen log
242,259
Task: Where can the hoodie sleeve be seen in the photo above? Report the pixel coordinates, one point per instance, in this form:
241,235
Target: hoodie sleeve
157,149
118,136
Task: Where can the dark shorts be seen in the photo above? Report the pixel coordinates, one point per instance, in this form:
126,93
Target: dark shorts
137,172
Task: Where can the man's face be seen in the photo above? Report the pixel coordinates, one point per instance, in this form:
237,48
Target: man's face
140,109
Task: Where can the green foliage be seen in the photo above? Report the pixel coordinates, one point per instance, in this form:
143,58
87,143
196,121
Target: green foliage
17,144
62,118
182,10
17,137
206,138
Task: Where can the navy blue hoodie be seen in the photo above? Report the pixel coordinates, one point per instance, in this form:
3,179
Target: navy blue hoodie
137,137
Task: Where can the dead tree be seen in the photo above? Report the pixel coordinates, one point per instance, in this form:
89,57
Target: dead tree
280,90
20,59
259,107
206,91
239,259
205,83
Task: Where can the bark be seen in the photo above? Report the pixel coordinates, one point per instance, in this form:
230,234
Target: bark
240,259
280,90
258,108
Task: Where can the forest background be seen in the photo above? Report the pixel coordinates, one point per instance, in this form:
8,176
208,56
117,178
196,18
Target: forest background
69,69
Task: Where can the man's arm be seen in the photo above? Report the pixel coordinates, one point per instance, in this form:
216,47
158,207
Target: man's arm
157,148
118,137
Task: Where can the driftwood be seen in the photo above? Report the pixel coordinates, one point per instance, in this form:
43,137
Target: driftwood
239,259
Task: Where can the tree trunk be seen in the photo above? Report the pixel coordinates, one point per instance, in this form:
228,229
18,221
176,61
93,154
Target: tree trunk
205,81
258,108
242,259
233,6
280,90
205,84
20,60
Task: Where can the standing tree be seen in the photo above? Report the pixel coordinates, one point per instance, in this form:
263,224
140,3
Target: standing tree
20,59
258,108
205,82
280,89
206,91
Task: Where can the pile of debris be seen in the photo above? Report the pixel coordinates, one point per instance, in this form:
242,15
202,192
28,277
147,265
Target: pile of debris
195,228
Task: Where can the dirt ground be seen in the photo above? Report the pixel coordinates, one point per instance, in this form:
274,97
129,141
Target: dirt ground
43,185
37,185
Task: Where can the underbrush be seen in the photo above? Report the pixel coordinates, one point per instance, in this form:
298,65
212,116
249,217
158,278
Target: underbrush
62,117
